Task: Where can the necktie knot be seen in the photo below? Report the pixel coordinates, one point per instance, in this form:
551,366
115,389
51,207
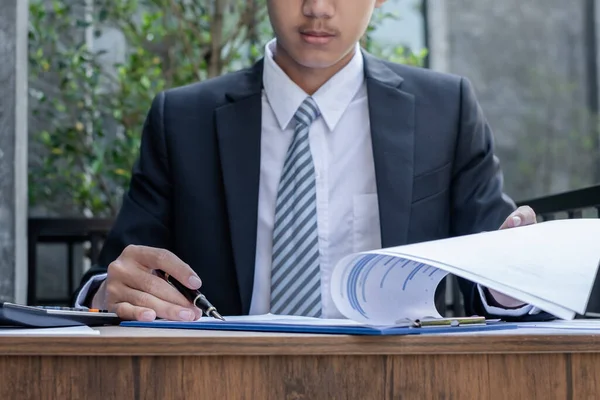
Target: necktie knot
307,112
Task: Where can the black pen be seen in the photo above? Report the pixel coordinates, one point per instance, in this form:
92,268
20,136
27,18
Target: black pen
194,296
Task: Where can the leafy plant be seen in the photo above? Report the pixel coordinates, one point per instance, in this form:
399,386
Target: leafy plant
89,110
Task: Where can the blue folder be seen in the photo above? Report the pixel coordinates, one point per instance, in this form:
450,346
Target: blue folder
320,329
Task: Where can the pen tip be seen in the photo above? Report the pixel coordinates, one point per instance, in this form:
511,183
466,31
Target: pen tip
217,315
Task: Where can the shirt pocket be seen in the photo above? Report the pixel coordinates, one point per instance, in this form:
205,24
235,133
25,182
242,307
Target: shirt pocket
366,227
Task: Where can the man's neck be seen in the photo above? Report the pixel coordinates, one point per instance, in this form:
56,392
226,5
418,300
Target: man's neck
308,79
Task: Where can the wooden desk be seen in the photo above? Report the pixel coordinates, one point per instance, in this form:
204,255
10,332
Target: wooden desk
135,363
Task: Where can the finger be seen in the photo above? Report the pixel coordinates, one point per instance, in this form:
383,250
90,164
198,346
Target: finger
524,215
197,312
132,276
162,308
142,313
161,289
504,300
122,277
529,214
142,280
153,258
127,311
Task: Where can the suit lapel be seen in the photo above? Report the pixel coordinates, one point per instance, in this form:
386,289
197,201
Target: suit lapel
392,117
238,124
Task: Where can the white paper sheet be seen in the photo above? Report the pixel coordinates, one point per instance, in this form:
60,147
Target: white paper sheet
551,265
71,330
380,289
574,325
282,319
557,327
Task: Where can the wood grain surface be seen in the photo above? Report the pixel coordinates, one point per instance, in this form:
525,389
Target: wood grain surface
480,376
141,341
172,364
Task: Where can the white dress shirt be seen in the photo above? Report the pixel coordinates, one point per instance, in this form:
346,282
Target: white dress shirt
346,192
340,144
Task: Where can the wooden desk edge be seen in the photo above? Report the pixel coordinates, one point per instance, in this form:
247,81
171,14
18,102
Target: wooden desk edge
128,342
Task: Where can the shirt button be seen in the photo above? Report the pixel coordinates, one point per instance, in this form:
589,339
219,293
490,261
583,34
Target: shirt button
317,174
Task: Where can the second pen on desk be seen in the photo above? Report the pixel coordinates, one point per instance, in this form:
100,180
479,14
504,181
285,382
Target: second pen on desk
194,296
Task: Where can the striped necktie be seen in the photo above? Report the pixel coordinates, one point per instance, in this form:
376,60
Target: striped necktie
295,274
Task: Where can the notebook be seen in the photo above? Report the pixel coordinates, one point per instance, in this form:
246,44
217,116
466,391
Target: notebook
298,324
551,265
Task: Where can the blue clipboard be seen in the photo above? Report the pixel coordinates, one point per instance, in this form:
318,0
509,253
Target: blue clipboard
317,329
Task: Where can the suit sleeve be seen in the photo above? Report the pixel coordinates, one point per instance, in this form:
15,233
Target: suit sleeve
478,200
144,217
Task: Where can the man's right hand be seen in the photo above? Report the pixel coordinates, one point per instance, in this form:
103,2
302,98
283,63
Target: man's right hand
134,292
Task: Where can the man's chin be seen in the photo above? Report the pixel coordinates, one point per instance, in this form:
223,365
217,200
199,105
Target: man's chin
317,61
321,58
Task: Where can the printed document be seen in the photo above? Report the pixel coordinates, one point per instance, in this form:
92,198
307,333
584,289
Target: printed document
552,265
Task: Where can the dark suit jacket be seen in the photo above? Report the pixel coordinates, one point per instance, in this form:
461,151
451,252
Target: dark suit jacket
194,188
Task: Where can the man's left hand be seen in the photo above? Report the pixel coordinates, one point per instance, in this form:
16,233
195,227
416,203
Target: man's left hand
522,216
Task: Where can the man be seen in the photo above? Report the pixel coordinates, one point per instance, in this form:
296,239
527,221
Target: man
256,183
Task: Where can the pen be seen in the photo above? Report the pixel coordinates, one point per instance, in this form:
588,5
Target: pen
449,321
194,296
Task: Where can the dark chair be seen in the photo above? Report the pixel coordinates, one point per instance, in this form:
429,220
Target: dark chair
68,231
573,204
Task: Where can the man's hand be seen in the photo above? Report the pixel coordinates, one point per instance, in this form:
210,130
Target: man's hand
135,293
522,216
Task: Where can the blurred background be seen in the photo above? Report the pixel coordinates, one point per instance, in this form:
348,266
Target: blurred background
77,78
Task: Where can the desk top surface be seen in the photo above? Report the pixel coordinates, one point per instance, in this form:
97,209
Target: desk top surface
181,342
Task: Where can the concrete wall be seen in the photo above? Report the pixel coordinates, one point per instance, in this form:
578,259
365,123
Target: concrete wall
528,61
13,150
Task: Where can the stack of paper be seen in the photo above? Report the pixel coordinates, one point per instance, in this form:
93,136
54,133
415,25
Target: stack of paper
73,330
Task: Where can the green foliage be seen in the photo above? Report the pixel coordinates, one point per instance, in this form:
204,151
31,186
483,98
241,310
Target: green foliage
89,111
397,53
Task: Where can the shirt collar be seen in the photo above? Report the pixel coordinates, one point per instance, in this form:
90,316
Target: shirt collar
332,98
